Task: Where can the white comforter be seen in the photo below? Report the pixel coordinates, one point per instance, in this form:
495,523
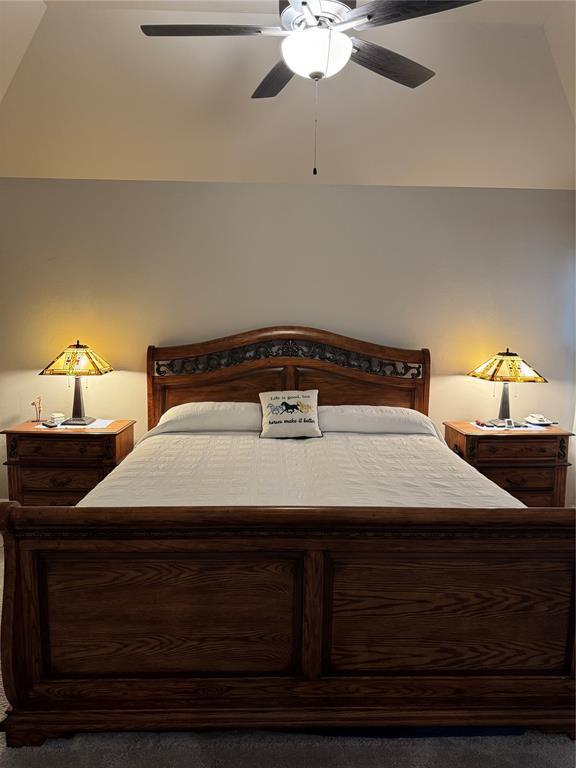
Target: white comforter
340,469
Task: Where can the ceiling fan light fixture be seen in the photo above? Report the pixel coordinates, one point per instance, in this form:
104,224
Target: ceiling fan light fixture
316,52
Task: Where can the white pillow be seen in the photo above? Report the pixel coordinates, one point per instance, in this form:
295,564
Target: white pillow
211,417
376,419
290,413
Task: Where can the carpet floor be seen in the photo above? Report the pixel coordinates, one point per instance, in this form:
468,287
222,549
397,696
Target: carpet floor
254,749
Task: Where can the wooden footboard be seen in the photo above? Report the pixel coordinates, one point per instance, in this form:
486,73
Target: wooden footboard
182,618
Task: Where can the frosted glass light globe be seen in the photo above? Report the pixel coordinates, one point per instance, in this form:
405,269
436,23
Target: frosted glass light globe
316,52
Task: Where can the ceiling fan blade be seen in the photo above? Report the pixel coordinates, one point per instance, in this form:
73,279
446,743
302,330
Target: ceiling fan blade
389,64
390,11
279,76
206,30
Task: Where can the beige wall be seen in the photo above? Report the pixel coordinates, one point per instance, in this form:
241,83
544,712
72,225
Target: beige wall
18,23
125,264
560,30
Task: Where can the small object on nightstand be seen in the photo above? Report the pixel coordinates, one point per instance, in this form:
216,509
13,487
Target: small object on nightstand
529,463
37,403
77,360
507,367
50,424
57,467
538,420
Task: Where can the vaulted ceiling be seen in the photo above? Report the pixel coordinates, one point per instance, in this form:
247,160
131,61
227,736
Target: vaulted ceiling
86,95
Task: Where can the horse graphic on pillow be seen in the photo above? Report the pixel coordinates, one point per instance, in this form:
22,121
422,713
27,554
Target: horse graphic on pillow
285,407
290,407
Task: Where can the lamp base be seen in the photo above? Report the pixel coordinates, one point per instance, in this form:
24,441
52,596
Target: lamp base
78,419
81,421
504,412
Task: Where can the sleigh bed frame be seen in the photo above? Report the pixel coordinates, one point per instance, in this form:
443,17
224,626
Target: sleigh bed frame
264,617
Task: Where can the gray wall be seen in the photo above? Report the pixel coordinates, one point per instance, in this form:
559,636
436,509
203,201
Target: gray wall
465,272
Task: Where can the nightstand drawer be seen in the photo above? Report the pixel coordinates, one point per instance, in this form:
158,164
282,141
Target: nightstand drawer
45,499
521,478
517,448
62,479
62,447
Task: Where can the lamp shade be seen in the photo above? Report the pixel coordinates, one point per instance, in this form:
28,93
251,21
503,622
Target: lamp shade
77,360
508,367
316,52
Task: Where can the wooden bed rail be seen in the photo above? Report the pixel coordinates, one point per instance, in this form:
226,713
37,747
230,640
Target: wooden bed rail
148,618
19,520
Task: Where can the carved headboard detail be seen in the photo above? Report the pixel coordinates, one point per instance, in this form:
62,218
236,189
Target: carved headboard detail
345,371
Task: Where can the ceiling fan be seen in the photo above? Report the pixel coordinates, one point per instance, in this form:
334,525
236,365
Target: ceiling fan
315,43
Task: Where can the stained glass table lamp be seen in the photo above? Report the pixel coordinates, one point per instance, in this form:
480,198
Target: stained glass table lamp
507,367
77,360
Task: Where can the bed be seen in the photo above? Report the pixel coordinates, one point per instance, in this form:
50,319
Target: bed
176,462
391,585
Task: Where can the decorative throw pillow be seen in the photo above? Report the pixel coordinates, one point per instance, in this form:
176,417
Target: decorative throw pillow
290,413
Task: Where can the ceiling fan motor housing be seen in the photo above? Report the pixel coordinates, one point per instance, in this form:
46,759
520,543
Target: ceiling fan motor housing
331,12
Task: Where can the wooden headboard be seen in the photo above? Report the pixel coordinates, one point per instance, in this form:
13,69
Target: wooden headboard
236,368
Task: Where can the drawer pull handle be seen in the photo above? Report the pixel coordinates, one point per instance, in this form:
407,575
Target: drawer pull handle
61,482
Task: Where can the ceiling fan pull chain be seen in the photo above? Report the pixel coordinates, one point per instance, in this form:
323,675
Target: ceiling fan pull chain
315,169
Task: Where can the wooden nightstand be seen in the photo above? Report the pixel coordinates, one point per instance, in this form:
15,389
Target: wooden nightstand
530,464
57,467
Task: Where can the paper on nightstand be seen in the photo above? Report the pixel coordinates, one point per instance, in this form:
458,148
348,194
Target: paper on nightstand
97,424
504,429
